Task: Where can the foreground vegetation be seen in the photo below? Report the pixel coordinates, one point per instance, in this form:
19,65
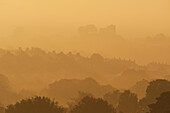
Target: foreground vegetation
157,100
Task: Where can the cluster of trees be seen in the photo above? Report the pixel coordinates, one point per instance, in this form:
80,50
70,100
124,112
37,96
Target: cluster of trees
65,89
36,60
157,100
25,64
128,102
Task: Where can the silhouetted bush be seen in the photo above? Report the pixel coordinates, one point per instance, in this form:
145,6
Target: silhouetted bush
35,105
93,105
153,91
128,102
112,97
162,105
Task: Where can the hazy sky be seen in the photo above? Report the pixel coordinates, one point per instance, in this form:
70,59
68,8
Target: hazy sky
50,24
132,17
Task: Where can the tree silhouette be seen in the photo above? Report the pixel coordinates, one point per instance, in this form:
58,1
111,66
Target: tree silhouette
35,105
162,105
112,97
128,102
157,87
92,105
75,101
153,91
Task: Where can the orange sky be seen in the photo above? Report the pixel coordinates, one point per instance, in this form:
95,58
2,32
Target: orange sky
133,17
56,21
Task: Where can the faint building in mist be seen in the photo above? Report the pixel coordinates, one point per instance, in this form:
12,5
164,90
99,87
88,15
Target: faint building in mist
92,31
87,30
109,31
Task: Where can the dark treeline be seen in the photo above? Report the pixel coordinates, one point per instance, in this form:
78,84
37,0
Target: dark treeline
156,100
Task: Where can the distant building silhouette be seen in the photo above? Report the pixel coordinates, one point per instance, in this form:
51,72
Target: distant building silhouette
108,31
